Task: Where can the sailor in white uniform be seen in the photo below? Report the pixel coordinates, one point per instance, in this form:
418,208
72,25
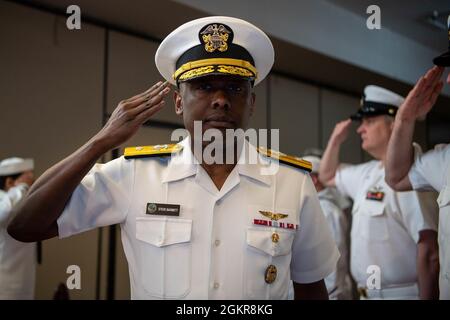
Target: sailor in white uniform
393,234
430,171
192,229
17,259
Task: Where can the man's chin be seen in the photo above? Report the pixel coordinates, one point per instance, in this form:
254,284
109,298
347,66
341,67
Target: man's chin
371,152
365,147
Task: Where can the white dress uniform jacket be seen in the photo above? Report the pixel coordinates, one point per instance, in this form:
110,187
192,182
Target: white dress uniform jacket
213,249
432,172
338,283
17,259
385,230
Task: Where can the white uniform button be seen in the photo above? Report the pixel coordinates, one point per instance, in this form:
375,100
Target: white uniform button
217,243
216,285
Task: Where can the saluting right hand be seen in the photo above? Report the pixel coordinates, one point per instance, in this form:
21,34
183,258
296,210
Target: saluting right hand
422,97
131,113
340,132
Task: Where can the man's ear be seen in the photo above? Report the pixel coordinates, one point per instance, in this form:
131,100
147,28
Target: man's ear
178,102
9,183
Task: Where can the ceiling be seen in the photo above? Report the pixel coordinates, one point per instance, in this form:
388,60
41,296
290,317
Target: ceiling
407,17
149,19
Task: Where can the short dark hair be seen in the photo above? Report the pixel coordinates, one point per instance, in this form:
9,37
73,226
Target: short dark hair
3,179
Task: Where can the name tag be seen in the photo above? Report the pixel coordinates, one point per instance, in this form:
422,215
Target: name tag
163,209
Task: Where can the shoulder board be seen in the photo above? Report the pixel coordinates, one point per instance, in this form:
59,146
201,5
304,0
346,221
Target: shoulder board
286,159
160,150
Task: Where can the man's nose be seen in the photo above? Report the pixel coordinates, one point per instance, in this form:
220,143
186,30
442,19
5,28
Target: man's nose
360,129
221,99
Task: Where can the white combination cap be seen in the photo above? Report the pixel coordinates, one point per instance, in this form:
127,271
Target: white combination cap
444,59
378,101
215,45
381,95
11,166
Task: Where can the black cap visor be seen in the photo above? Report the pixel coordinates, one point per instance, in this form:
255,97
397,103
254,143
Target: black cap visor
372,109
443,60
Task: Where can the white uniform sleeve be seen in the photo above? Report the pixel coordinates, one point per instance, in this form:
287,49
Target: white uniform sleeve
348,179
419,211
102,198
8,200
5,209
314,252
430,170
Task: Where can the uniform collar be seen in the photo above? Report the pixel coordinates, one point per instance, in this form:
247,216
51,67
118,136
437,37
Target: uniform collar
181,165
255,171
184,164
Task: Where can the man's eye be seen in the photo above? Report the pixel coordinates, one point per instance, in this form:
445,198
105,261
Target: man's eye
235,88
204,86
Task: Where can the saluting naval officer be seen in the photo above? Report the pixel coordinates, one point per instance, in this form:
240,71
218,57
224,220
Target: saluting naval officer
430,171
393,236
190,228
17,259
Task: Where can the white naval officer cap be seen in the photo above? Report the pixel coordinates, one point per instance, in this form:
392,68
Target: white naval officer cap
378,101
11,166
215,45
444,59
315,162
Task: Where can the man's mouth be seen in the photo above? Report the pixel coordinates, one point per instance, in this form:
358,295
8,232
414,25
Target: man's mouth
219,122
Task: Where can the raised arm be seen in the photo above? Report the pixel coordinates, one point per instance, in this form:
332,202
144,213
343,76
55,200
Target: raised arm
330,159
400,154
36,216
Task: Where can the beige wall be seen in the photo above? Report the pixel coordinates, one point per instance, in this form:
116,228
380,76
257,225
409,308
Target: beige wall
337,107
51,103
51,89
294,110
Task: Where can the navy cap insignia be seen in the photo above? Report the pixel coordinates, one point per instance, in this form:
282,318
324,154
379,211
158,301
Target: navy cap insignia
215,37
